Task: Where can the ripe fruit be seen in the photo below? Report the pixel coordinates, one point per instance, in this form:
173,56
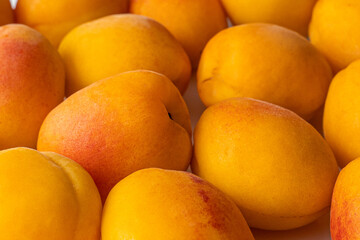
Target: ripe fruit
6,12
120,43
119,125
294,15
56,18
192,23
170,205
334,31
274,165
345,204
32,80
265,62
45,194
342,113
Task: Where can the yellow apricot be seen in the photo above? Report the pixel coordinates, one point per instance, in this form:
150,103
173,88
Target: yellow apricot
56,18
342,114
170,205
274,165
334,30
294,15
265,62
46,196
120,43
193,23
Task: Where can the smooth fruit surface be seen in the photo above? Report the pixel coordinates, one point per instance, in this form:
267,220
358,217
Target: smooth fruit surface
6,12
119,125
170,205
120,43
193,23
334,31
56,18
265,62
274,165
294,15
342,114
32,80
46,194
345,220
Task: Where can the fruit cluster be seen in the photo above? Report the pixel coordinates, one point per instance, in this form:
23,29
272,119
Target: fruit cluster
96,137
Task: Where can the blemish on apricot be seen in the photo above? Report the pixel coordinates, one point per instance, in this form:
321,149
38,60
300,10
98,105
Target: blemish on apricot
196,179
204,196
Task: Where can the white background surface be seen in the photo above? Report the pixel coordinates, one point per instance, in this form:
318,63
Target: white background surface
318,230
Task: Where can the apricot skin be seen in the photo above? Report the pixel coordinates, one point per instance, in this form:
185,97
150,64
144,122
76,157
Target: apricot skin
342,113
170,205
192,23
56,18
294,15
45,194
274,165
32,82
120,43
265,62
334,31
345,220
119,125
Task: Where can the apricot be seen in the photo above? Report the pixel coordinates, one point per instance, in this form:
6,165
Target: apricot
274,165
6,12
294,15
170,205
345,220
120,43
56,18
265,62
334,31
46,195
119,125
32,80
192,23
342,113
